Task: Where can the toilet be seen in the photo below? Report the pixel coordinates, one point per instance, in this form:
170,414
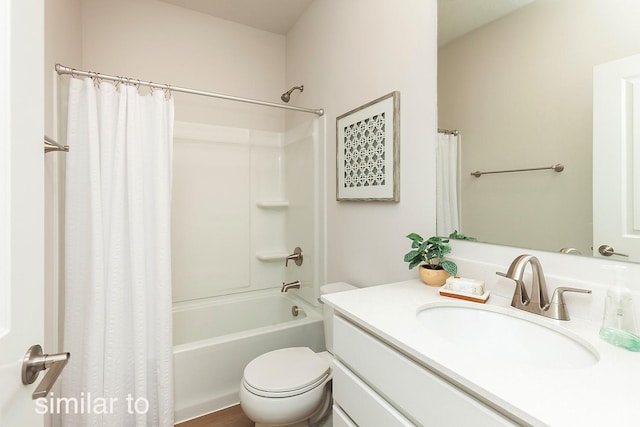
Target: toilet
292,386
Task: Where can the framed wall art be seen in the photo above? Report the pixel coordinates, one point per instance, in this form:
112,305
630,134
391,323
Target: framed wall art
368,151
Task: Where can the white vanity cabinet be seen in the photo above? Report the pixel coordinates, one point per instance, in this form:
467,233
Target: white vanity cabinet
376,385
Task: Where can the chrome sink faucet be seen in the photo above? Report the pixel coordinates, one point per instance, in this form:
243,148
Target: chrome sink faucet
538,302
292,285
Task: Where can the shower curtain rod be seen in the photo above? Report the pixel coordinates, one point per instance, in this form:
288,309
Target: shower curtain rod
448,132
61,69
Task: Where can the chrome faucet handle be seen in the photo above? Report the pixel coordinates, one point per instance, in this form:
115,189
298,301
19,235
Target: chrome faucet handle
557,309
296,255
558,294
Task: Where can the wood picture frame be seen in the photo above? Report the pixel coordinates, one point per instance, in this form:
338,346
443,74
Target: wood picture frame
368,151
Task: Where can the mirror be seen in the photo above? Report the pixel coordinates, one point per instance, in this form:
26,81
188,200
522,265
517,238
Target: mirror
518,86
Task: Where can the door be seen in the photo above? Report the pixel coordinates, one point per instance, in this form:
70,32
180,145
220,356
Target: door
616,159
21,205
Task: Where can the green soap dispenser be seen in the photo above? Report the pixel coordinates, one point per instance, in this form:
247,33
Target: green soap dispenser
619,320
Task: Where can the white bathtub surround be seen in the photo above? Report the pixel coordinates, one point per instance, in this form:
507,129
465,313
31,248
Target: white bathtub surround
117,255
304,186
217,337
243,200
601,394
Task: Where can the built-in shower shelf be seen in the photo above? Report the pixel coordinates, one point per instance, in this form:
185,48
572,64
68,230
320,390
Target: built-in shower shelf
272,204
269,256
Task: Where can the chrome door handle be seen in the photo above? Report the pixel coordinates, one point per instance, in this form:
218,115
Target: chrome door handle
34,362
607,250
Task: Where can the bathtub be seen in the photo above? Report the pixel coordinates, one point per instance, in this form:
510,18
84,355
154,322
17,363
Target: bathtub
214,339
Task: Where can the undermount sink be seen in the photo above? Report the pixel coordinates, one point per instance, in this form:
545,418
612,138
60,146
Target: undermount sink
488,333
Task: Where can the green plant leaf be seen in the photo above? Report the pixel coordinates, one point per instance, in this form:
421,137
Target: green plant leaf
434,240
460,236
414,236
430,251
450,267
412,255
414,263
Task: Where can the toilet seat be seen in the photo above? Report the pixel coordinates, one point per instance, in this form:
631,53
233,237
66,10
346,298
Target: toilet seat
286,372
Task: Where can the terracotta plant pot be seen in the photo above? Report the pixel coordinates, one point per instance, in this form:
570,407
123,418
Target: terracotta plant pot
433,277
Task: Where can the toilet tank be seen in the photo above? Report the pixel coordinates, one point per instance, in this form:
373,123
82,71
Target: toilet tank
327,312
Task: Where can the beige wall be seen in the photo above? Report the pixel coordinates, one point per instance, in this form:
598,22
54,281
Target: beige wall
163,43
63,35
520,92
63,44
348,53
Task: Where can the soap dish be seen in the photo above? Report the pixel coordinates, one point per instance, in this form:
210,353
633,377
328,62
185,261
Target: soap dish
465,295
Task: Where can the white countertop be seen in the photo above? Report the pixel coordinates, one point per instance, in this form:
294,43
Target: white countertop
604,394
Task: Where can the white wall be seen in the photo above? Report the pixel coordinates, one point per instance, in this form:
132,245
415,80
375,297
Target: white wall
348,53
520,91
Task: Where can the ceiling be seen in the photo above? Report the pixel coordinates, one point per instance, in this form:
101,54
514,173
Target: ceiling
276,16
455,17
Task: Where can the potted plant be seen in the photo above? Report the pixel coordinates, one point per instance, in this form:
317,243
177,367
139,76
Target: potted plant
429,254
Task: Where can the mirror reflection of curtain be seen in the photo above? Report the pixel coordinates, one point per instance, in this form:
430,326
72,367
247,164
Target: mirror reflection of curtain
447,215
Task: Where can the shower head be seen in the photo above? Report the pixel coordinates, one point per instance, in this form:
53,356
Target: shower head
287,95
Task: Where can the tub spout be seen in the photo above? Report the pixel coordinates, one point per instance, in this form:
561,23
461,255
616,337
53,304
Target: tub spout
292,285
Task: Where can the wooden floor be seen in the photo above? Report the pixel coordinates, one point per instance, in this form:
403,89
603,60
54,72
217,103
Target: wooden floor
230,417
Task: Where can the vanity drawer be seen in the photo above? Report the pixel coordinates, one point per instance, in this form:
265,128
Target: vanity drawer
412,389
364,406
340,419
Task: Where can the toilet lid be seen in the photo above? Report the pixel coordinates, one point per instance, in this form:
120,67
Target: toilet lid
286,370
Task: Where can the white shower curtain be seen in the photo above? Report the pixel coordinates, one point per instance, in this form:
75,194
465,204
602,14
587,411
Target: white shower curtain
118,261
447,214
